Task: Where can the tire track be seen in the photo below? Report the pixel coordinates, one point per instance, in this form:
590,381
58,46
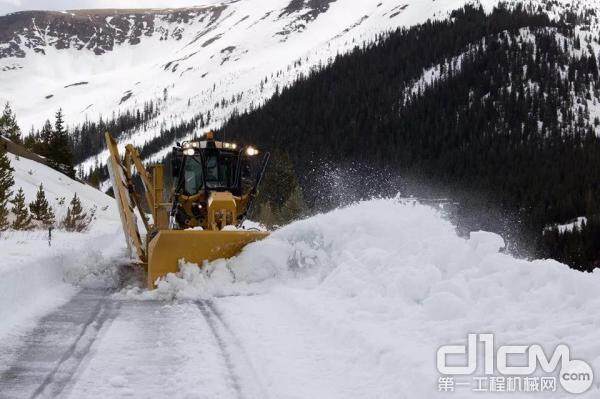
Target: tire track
211,320
45,359
78,350
232,351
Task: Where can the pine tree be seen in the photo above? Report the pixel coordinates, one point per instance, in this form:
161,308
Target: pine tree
59,150
31,140
43,146
41,210
6,182
76,219
22,217
95,175
8,125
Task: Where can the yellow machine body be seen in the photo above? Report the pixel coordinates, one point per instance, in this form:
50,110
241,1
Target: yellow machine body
163,247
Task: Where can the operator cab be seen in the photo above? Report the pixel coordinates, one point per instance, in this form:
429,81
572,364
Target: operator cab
211,165
214,168
202,167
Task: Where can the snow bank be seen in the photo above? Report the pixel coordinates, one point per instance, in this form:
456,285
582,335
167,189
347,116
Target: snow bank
392,247
393,280
36,277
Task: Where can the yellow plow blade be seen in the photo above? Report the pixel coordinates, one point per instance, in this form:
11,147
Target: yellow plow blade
169,246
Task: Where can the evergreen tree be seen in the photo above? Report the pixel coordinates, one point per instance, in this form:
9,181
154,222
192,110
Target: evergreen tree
95,176
22,217
41,210
76,219
8,125
6,182
42,145
59,150
31,140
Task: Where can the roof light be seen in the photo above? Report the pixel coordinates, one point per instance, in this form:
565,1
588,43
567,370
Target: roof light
251,151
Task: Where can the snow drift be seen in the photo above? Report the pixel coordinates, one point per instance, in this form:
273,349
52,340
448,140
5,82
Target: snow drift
394,247
394,280
36,277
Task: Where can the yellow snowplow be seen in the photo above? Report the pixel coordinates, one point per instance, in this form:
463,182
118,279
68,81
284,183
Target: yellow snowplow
214,187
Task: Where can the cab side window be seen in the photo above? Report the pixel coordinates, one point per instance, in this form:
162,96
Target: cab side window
192,175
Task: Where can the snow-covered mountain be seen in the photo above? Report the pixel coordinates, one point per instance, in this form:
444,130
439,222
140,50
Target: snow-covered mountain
235,54
218,58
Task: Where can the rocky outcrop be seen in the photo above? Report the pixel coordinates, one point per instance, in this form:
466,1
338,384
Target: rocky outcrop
94,30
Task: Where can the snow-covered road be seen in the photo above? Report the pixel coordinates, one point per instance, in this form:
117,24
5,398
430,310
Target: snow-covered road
52,353
257,346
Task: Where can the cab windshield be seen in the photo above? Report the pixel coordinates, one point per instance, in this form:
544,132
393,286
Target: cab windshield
220,172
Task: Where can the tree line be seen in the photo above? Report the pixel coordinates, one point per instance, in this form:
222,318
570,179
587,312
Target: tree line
52,141
15,212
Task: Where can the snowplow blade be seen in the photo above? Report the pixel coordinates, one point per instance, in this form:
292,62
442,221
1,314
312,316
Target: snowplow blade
169,246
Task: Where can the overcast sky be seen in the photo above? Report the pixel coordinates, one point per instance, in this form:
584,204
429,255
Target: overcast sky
7,6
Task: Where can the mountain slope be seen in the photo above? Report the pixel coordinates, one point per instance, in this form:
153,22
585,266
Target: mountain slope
186,61
508,127
60,188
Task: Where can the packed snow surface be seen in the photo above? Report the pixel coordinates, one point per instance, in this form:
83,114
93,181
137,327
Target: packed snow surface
355,303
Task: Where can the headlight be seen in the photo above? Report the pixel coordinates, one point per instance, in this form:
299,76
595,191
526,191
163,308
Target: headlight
251,151
234,146
189,152
191,144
